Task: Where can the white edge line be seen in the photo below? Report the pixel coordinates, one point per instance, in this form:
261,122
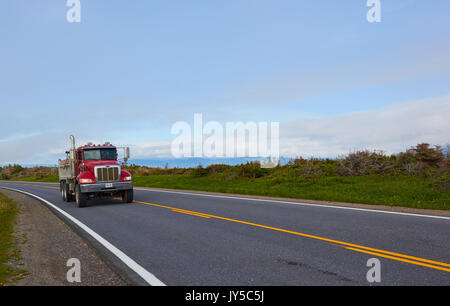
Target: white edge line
147,276
297,203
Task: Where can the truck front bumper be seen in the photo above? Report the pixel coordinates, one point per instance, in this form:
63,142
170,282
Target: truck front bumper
106,187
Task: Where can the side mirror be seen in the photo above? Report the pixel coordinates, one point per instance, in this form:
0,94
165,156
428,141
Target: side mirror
126,151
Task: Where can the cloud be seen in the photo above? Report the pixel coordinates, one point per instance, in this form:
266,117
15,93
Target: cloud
392,129
35,148
156,149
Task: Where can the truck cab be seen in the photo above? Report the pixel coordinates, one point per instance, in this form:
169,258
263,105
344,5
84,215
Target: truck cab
93,171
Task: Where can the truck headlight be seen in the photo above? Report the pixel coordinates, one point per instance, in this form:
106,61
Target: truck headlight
86,181
127,178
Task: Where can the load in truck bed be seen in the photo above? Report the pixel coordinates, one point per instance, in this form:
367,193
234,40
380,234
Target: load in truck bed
65,170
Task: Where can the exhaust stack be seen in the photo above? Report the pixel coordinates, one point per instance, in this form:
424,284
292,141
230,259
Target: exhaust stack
72,141
72,149
73,156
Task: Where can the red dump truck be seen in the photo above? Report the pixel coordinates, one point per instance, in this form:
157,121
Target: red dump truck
93,171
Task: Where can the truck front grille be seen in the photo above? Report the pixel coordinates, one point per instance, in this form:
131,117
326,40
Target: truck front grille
107,174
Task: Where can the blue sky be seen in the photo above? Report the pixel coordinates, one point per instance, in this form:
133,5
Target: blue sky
143,65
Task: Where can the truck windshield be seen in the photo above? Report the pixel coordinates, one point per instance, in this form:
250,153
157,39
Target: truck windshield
98,154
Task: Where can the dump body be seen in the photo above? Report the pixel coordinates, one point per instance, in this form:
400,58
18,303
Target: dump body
65,170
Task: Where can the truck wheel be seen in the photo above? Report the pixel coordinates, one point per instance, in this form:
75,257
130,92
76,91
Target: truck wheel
62,188
127,196
80,198
68,195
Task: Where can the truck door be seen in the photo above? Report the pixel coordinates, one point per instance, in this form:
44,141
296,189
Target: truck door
80,161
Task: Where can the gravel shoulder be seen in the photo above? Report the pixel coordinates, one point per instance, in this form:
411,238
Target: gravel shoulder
46,243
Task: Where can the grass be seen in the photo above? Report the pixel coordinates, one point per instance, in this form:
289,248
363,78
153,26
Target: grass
8,249
46,179
407,191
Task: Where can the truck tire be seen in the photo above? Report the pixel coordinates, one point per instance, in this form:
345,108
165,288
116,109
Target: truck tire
80,198
63,188
69,196
127,196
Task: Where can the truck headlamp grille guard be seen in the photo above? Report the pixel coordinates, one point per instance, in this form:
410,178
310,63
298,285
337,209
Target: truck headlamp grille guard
107,173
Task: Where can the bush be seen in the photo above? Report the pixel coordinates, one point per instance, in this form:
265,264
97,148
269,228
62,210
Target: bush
251,170
423,159
363,163
442,183
218,168
17,169
199,171
427,155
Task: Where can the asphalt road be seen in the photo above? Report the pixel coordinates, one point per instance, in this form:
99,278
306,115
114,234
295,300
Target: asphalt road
189,239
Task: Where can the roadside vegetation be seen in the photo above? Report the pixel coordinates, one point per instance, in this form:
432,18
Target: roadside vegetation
418,178
8,249
33,174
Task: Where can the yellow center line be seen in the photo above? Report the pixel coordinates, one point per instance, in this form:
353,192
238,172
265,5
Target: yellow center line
190,212
193,214
31,185
350,246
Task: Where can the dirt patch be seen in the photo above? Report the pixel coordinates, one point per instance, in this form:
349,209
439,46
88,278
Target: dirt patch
46,243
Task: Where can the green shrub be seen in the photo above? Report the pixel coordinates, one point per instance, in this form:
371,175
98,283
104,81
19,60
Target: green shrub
442,183
252,170
199,171
364,163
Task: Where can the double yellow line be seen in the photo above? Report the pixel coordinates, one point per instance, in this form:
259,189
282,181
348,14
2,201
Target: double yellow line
349,246
191,213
